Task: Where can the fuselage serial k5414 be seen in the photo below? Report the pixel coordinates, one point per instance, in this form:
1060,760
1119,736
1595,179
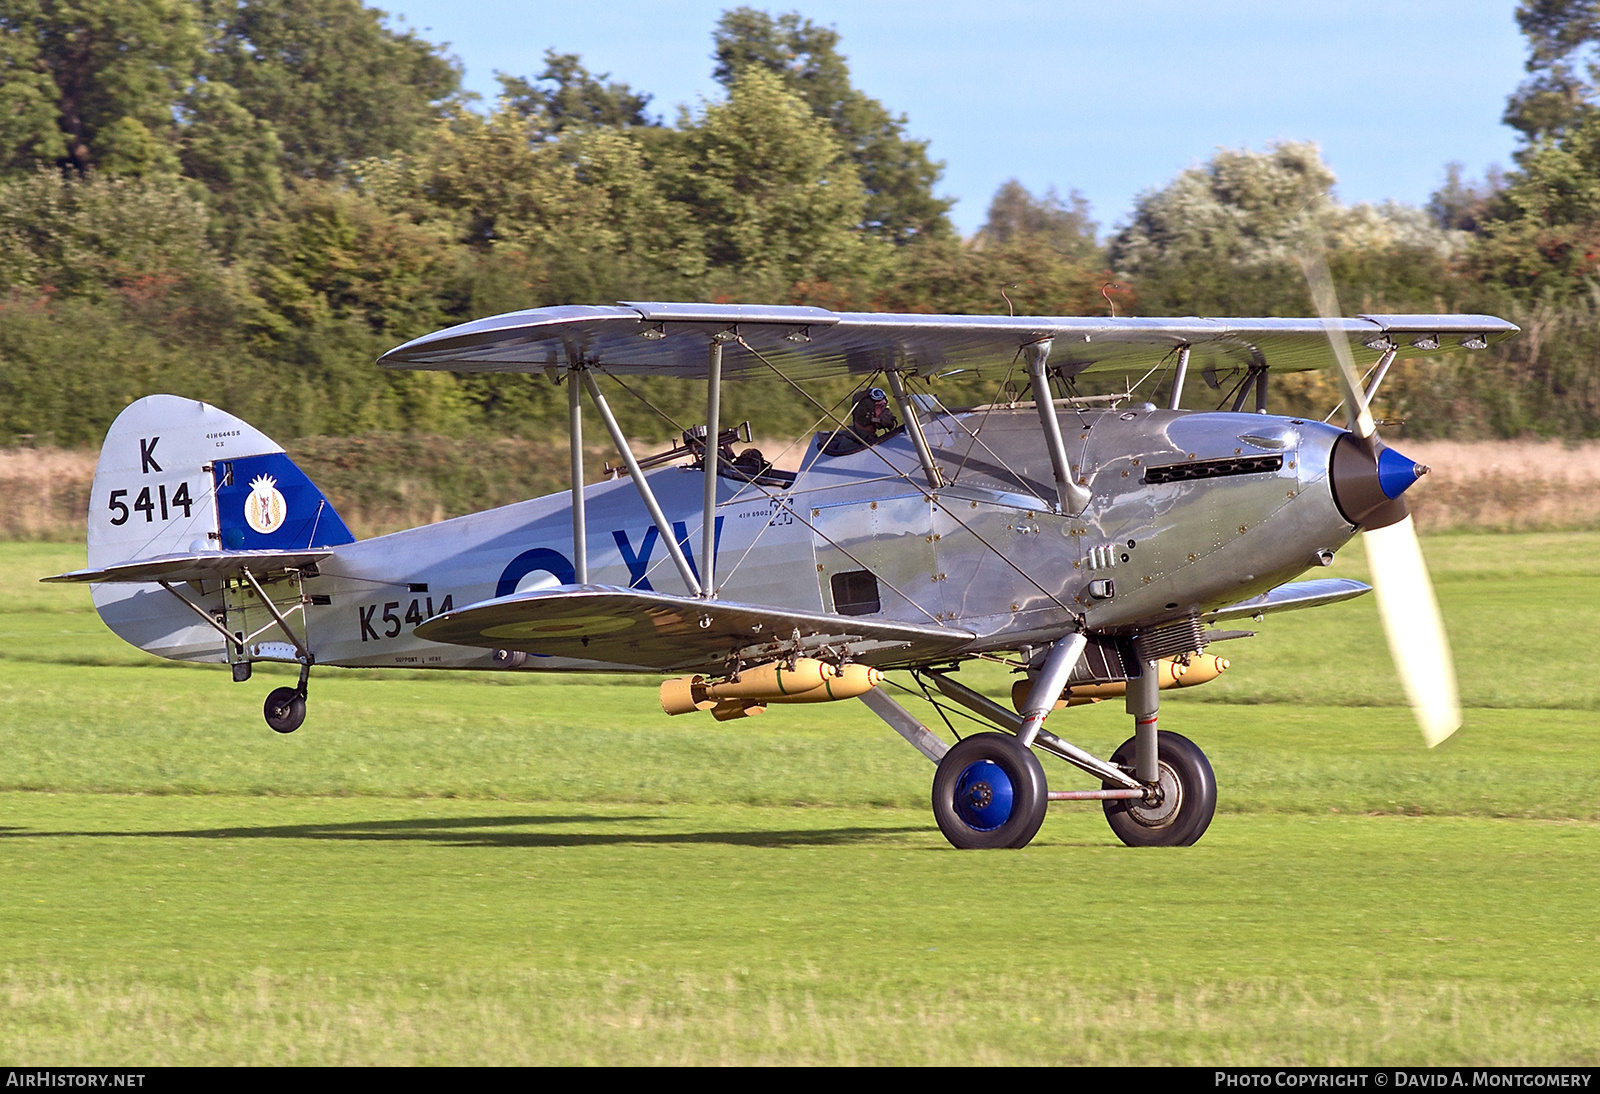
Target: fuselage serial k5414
1092,545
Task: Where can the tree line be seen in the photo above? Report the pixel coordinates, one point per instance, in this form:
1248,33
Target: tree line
248,201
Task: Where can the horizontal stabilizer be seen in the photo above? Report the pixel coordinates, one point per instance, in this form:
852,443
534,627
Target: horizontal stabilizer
675,633
205,566
1296,594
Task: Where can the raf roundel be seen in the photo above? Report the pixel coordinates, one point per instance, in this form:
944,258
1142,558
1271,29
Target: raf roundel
265,508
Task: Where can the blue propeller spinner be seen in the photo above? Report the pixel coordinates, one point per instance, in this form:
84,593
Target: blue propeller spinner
1396,473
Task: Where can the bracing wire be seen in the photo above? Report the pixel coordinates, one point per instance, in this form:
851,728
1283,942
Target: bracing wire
749,485
915,485
1364,378
897,474
974,436
657,411
815,530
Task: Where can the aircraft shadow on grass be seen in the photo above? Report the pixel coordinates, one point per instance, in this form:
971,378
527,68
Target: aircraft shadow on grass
469,832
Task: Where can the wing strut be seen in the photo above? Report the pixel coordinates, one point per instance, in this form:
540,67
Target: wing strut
668,538
908,414
1379,371
1178,378
1255,379
1072,497
708,516
580,523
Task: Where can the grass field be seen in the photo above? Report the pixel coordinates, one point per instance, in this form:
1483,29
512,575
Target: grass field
459,869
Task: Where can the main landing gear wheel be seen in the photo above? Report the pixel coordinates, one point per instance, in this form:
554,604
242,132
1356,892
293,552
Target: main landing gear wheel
285,709
1187,799
989,791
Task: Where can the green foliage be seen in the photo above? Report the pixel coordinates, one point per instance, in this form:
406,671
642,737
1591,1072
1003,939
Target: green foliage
1463,206
1541,236
573,97
772,187
1563,66
1038,279
69,366
235,157
1221,239
94,236
203,88
250,200
113,70
898,176
331,255
29,98
111,291
1015,214
334,82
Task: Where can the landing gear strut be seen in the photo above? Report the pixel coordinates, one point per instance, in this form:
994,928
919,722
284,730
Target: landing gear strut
989,790
1181,792
285,708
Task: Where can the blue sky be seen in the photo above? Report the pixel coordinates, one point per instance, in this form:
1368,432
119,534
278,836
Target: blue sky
1112,98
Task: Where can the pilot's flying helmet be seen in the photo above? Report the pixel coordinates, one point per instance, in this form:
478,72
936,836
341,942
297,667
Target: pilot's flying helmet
872,410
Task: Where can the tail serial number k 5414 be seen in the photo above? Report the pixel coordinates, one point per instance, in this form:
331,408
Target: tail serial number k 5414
1092,544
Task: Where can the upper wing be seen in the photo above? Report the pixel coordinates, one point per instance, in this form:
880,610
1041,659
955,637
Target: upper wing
675,633
671,340
207,566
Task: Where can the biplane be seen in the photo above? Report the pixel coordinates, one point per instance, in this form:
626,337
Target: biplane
1098,546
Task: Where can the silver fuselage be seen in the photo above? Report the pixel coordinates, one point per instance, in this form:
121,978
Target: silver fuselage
983,552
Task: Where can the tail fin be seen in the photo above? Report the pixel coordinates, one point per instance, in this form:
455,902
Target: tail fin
178,476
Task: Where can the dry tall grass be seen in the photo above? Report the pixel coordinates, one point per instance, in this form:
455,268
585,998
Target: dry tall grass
1506,486
384,484
44,492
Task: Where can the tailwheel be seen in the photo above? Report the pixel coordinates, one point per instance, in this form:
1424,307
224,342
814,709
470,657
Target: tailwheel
989,791
1184,801
285,709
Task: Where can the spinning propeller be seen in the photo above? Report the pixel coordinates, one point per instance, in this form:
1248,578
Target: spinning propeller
1369,480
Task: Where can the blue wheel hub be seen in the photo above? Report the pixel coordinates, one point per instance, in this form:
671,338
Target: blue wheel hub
984,796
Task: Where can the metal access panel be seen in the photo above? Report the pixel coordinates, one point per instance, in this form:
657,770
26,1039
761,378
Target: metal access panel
1010,568
892,538
247,618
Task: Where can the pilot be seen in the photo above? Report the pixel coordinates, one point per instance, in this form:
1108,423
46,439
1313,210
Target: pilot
870,422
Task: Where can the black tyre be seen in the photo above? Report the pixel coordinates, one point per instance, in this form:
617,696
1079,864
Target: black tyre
284,709
1188,797
989,791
